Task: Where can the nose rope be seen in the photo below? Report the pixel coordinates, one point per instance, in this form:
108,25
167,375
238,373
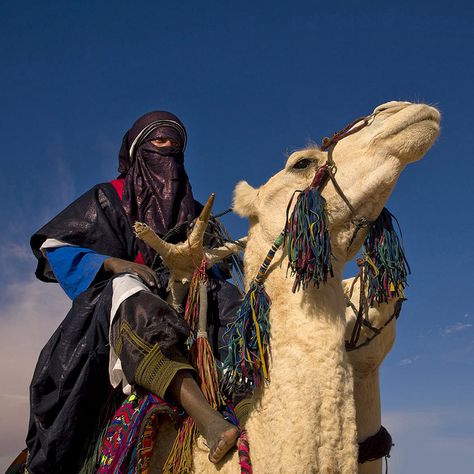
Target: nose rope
328,144
349,129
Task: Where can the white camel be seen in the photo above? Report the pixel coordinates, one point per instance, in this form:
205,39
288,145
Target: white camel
365,362
305,420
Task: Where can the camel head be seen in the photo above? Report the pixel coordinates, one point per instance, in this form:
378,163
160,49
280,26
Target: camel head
367,166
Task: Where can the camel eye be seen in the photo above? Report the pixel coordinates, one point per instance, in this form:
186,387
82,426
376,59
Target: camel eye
302,164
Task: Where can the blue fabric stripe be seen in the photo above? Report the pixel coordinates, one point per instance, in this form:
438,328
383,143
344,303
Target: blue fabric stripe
74,267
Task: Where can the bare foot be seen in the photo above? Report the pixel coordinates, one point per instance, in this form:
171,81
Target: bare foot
221,437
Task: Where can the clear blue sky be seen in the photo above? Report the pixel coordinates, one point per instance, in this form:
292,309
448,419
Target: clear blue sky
251,80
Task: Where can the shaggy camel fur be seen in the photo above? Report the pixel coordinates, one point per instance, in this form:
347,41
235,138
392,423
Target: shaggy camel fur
304,421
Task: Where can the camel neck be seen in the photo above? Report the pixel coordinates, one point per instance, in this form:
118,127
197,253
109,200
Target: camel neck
311,385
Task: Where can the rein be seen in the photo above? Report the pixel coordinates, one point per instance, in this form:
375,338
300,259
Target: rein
362,312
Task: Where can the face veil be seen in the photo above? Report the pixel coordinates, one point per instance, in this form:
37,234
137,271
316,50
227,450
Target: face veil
156,186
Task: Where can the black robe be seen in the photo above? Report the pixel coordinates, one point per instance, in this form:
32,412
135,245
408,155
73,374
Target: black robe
70,386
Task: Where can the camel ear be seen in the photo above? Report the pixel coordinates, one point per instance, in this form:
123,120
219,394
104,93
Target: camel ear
244,199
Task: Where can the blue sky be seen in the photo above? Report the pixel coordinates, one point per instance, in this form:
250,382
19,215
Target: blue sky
251,81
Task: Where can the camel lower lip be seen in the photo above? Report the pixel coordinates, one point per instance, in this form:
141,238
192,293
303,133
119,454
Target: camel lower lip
427,114
428,122
430,117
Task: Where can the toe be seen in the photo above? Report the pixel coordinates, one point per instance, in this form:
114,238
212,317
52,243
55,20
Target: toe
225,443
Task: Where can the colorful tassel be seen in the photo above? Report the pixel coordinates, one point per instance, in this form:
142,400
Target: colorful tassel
385,265
180,458
191,312
309,246
207,370
248,341
181,455
204,357
248,337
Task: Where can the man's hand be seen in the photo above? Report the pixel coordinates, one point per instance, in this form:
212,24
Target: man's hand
117,265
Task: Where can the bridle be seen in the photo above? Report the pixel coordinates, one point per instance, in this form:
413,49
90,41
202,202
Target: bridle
328,144
360,313
323,174
329,168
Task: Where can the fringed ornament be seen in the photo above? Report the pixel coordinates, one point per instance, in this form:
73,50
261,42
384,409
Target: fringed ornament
207,369
191,312
385,265
204,357
181,455
308,242
248,337
180,458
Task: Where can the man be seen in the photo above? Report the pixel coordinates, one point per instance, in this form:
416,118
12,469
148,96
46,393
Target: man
119,325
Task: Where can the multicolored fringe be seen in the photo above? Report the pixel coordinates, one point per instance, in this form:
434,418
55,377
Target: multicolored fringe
248,340
207,370
181,455
243,443
126,445
180,458
248,337
309,246
191,312
385,265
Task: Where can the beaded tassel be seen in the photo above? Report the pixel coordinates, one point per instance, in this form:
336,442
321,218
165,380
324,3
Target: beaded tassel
385,265
309,246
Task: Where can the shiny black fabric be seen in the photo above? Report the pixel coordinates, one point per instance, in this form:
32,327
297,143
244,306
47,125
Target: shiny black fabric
151,319
70,386
95,221
157,192
224,301
156,188
156,323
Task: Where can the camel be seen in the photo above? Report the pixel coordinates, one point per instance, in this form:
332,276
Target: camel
365,363
311,415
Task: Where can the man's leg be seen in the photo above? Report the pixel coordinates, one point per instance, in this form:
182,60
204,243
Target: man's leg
146,335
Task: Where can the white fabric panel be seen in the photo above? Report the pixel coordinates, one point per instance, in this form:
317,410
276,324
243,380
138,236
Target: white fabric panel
123,287
53,244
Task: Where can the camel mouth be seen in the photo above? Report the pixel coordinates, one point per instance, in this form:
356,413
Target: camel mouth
399,116
407,130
